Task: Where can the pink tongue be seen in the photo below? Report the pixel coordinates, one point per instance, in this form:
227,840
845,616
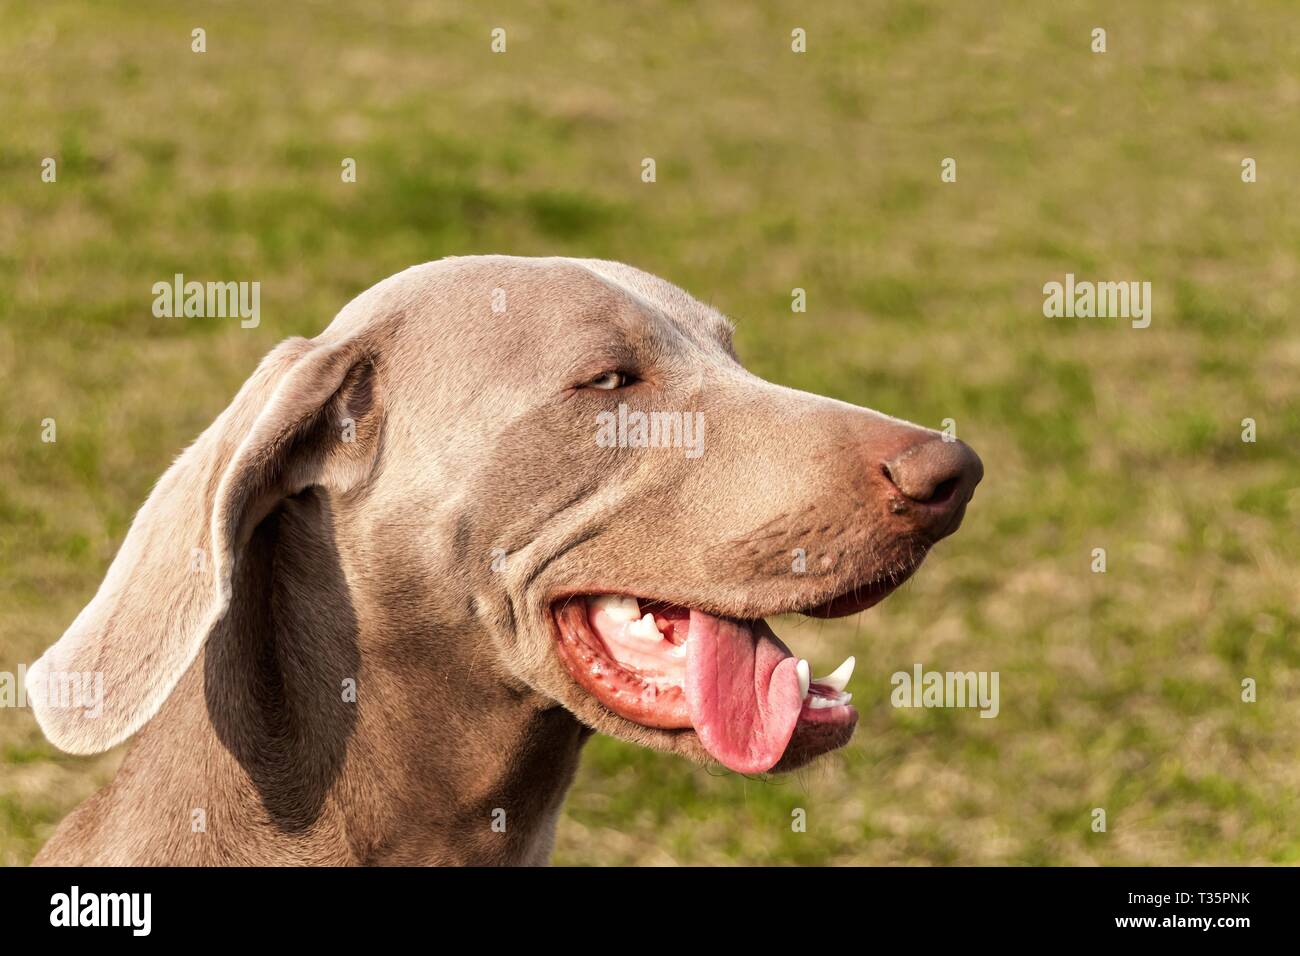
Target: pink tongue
742,690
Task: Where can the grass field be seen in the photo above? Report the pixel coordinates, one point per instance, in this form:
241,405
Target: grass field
775,170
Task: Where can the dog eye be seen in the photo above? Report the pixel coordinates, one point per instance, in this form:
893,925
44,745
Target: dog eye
609,381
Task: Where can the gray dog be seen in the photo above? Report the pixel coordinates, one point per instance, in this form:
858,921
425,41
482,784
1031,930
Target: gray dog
376,609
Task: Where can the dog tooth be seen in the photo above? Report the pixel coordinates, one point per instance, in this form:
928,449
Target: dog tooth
804,677
644,629
821,703
617,607
839,678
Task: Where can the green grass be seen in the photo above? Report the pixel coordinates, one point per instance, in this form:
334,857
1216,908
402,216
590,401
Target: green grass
775,170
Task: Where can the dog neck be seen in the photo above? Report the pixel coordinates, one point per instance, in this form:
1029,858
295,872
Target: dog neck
311,732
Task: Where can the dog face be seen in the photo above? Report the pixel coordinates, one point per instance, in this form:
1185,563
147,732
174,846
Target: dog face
634,503
560,473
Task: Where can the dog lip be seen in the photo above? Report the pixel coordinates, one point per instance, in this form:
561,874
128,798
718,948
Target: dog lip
858,598
850,600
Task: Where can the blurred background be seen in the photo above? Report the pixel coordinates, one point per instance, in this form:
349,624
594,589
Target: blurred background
775,170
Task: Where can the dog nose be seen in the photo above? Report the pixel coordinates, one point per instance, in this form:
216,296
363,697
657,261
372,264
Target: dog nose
936,479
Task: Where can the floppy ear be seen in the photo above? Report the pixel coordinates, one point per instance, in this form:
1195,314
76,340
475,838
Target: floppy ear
287,429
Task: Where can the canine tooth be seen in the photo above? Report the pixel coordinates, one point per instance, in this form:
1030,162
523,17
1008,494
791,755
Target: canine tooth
644,629
839,678
617,607
821,703
804,677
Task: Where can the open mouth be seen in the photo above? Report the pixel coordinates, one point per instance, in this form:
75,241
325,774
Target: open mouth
752,703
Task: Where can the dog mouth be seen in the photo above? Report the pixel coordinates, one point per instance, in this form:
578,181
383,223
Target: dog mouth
752,703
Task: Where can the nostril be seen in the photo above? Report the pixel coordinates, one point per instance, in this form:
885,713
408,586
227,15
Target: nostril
942,492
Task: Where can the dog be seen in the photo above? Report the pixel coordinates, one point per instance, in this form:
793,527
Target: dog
373,613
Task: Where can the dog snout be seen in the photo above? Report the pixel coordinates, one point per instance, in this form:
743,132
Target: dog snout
933,479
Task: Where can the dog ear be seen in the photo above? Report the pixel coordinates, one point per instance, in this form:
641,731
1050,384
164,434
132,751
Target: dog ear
309,416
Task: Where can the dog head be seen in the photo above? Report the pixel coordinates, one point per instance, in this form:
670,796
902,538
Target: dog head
559,474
